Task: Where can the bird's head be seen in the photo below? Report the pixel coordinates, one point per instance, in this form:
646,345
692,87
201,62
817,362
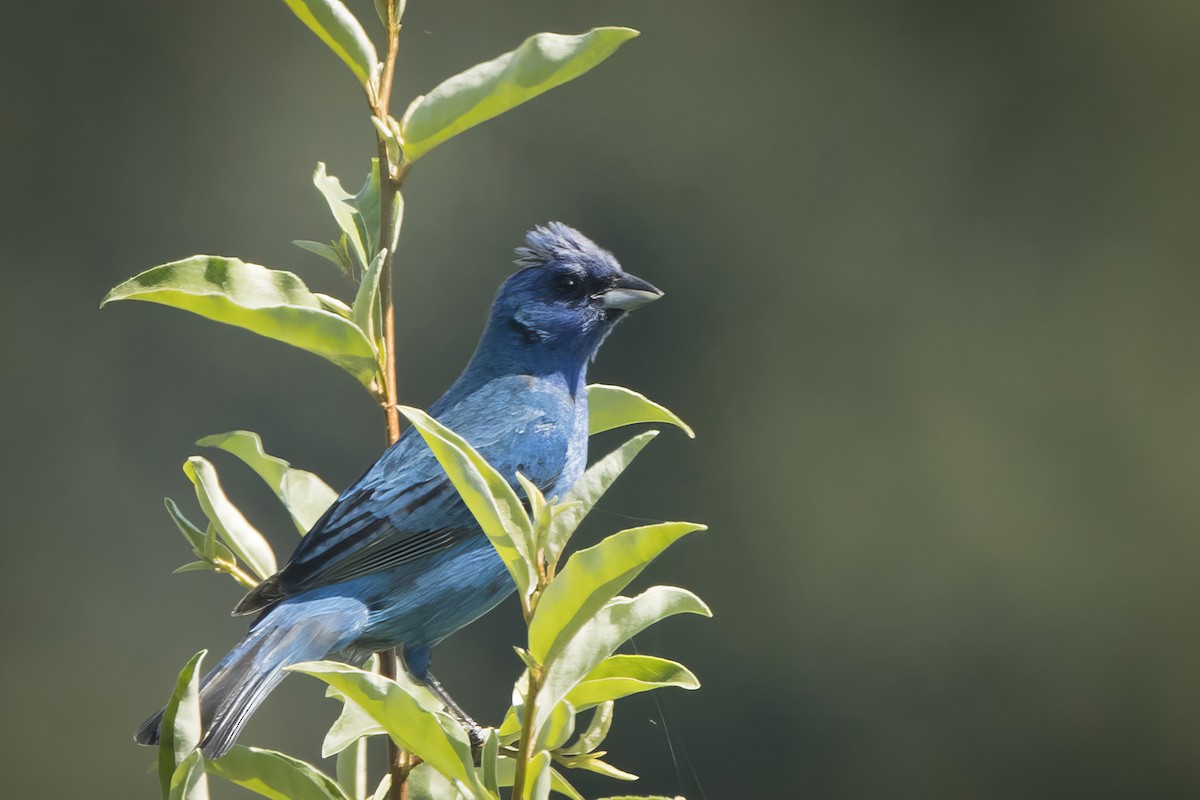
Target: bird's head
567,297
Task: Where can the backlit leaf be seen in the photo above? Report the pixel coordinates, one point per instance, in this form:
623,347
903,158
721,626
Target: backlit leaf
486,90
614,406
180,730
621,675
303,494
408,711
271,303
242,537
189,781
612,626
591,578
334,25
275,775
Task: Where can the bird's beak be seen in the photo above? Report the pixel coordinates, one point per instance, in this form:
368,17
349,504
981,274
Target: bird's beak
629,292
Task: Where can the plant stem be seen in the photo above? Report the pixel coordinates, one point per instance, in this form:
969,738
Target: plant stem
399,764
535,685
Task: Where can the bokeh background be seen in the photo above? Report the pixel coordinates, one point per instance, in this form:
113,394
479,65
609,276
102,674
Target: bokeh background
932,307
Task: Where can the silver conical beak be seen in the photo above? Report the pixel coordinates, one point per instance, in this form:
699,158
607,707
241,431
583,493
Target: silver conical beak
630,292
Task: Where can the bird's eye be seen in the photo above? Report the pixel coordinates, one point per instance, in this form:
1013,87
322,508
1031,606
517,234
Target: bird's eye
568,284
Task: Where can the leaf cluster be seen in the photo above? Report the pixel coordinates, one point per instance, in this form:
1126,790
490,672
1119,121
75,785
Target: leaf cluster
563,701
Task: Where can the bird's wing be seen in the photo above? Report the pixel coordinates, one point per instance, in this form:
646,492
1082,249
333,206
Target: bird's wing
405,508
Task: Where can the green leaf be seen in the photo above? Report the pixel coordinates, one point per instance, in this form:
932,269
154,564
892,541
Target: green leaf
344,208
181,729
557,729
189,782
195,537
335,306
195,566
351,769
612,626
303,494
605,769
510,726
588,490
596,731
275,775
615,406
204,545
560,784
411,715
350,726
425,783
384,789
591,578
271,303
506,769
621,675
489,761
537,778
334,252
368,308
242,537
489,497
334,25
486,90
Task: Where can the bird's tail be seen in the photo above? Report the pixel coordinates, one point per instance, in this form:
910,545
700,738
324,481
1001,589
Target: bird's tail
231,691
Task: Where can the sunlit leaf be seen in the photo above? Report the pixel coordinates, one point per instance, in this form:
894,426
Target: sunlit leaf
489,761
425,783
605,769
368,309
486,90
334,252
332,304
195,566
615,406
490,498
506,769
510,727
561,785
189,782
271,303
557,728
591,578
181,729
595,733
242,537
275,775
195,537
350,726
537,778
384,789
621,675
334,25
583,496
344,207
612,626
411,715
351,769
303,494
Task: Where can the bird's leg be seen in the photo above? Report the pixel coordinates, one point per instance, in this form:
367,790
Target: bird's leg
474,731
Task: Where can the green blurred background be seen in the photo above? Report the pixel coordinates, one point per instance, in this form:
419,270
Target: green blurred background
932,291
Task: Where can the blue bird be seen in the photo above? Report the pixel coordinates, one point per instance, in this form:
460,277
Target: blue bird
398,560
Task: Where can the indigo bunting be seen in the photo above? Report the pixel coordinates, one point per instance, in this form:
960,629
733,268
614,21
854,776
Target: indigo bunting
398,560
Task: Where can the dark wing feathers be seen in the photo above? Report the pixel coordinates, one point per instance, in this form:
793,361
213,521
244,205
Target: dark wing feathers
405,508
